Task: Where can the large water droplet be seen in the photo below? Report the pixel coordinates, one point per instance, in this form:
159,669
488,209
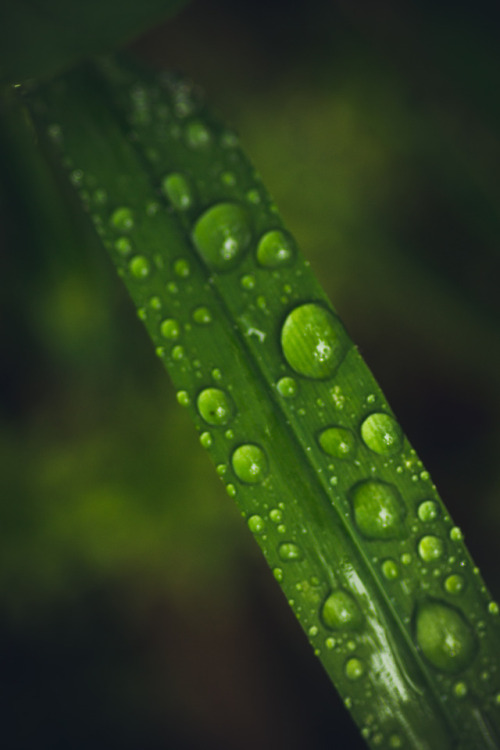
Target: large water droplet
314,341
340,611
338,442
445,637
249,463
378,509
289,552
256,524
382,434
428,510
215,406
222,235
275,249
430,548
122,219
178,190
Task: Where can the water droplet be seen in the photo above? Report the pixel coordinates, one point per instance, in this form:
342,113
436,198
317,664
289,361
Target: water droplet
330,643
221,469
354,669
181,268
382,434
247,281
340,611
276,515
430,548
338,442
100,196
460,689
198,135
313,631
216,374
406,558
206,439
395,742
445,637
122,219
456,534
378,510
281,528
170,329
76,177
177,353
215,406
228,179
390,569
287,387
256,524
202,316
493,608
177,188
140,267
253,196
249,463
229,139
278,574
313,341
275,249
289,552
155,303
231,490
222,234
428,510
183,398
454,584
123,245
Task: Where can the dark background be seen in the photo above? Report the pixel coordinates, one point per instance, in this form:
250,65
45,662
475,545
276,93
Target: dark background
135,610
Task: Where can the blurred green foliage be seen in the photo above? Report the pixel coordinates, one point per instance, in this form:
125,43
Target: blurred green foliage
136,611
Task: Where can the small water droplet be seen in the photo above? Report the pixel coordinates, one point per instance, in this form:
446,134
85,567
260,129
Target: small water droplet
215,406
276,515
314,341
123,245
390,569
155,303
338,442
198,135
216,374
76,177
231,490
247,281
177,353
313,631
354,669
181,268
454,584
100,196
183,398
281,528
428,510
177,188
493,608
202,316
206,439
456,534
378,510
275,249
289,552
253,196
278,574
287,387
222,234
395,742
460,689
340,611
221,469
249,463
330,643
170,329
382,434
140,267
445,637
430,548
406,558
122,219
229,139
172,287
228,179
256,524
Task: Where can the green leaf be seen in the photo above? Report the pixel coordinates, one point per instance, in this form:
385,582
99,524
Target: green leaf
38,39
300,433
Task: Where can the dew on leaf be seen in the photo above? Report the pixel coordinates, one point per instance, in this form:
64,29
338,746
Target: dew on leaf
338,442
183,398
275,249
390,569
170,329
382,434
202,316
314,341
249,463
177,188
340,611
215,406
256,524
445,637
289,552
181,268
198,136
122,219
354,669
454,584
378,509
430,548
287,387
140,267
222,235
428,510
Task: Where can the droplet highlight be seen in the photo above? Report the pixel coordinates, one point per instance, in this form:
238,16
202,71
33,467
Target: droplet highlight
275,249
249,463
445,637
313,341
215,406
222,235
378,510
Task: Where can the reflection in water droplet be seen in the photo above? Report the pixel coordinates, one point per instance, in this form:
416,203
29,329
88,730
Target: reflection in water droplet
170,329
249,463
382,434
202,316
215,406
222,234
177,189
354,669
314,341
428,510
275,249
287,387
454,584
122,219
139,267
256,524
445,637
430,548
378,510
289,552
338,442
340,611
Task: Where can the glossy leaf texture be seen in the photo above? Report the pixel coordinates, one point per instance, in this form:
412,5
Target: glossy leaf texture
297,427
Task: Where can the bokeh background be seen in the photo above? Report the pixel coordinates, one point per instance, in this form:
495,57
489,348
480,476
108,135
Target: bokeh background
135,609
